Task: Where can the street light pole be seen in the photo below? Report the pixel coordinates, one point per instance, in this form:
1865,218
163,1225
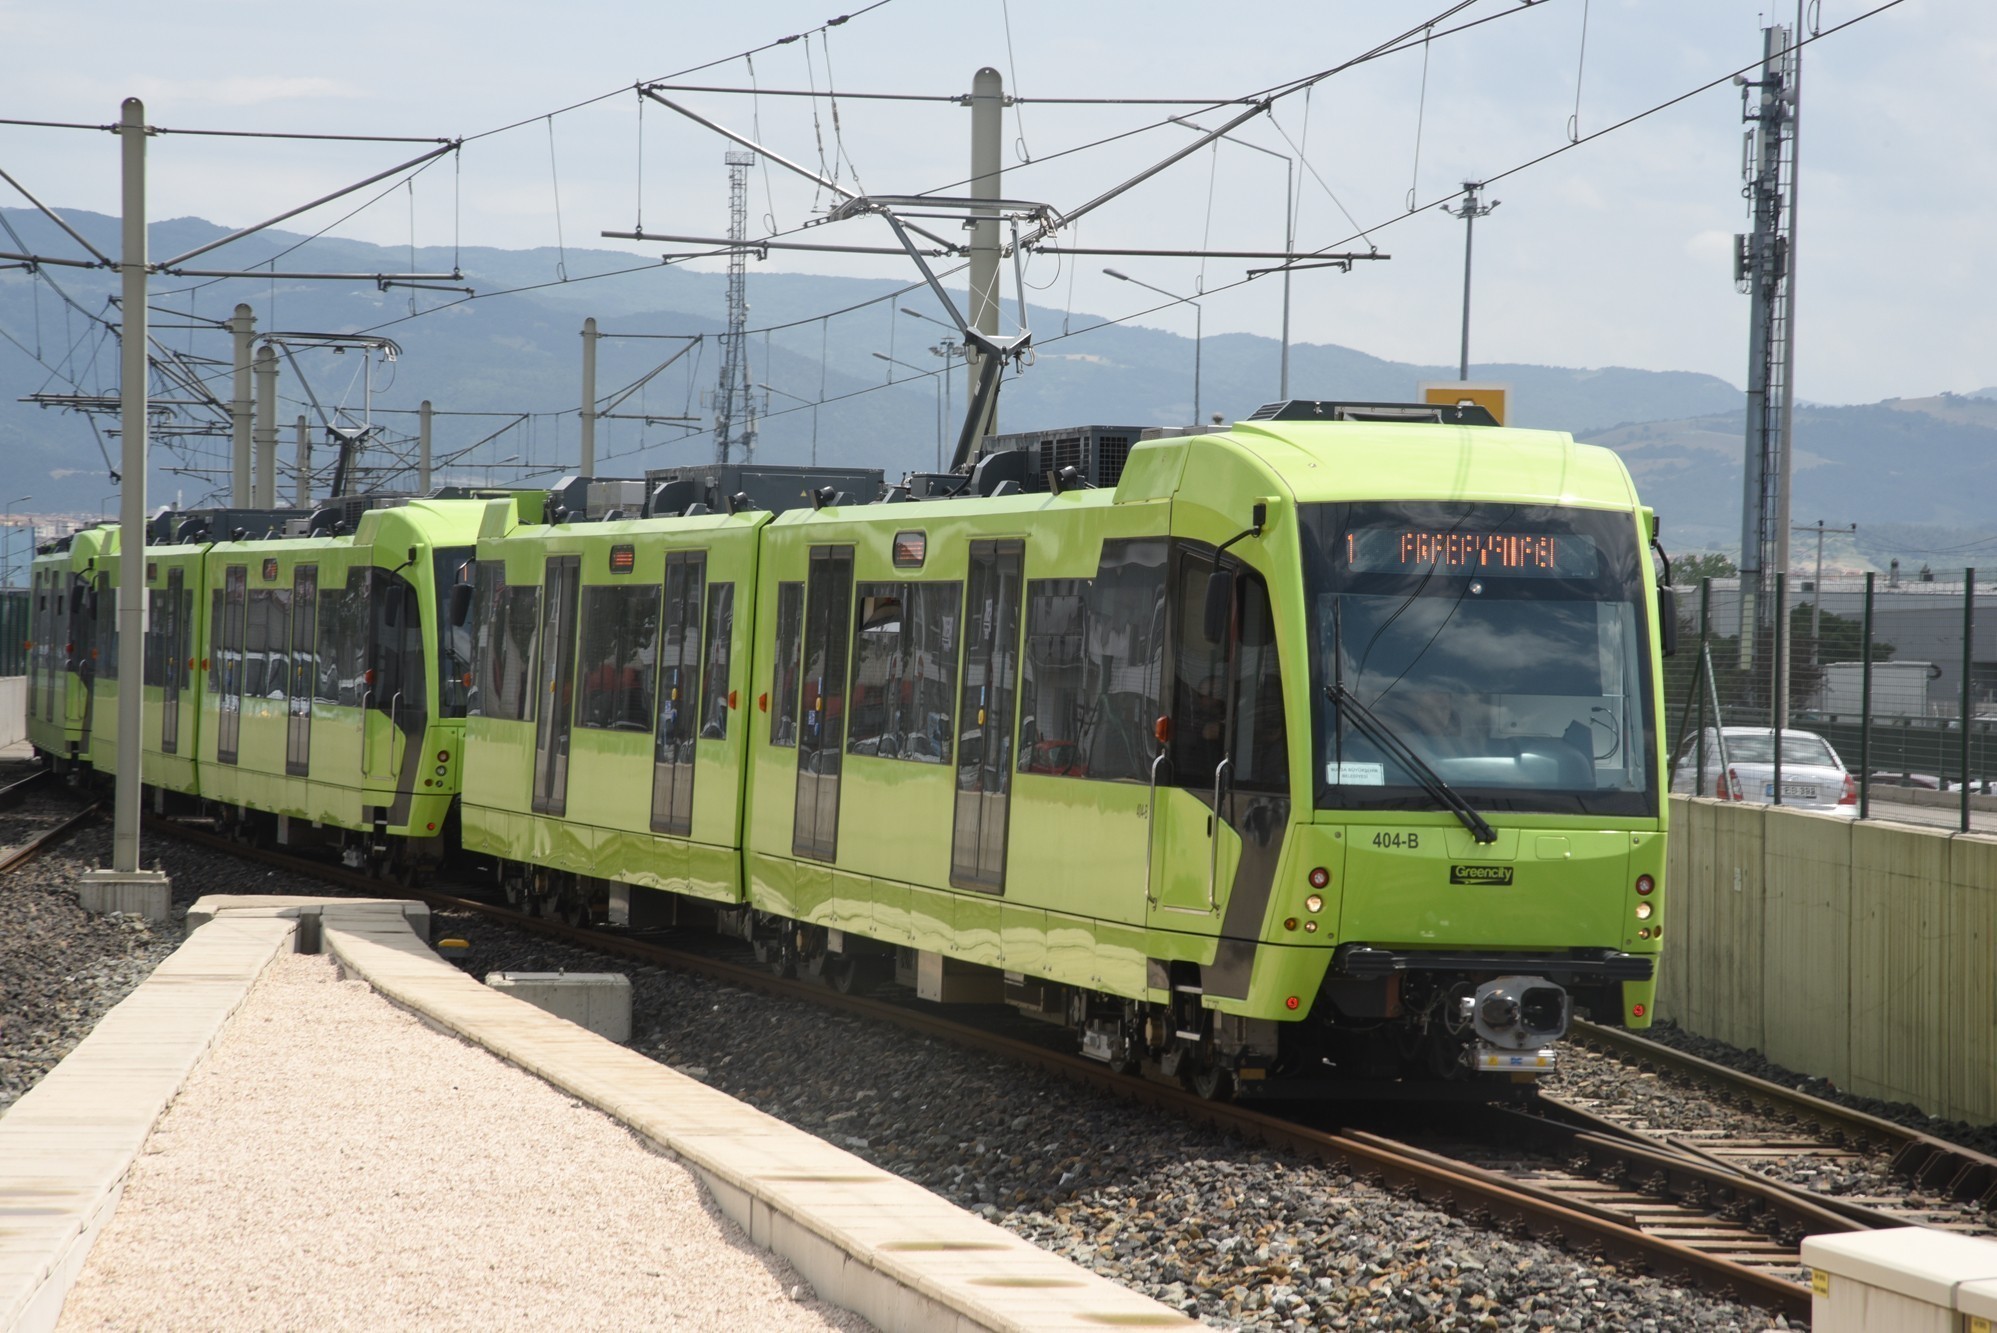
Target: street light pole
1817,595
1470,210
1186,300
1289,239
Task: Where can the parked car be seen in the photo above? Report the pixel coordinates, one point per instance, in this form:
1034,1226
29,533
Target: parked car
1920,781
1813,777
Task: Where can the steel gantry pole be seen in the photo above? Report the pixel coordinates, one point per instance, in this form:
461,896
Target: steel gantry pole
586,463
264,483
303,481
423,414
243,327
124,887
987,127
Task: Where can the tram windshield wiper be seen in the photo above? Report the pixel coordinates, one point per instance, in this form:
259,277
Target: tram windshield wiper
1369,725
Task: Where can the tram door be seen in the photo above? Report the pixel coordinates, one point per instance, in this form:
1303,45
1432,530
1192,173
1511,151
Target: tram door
558,666
298,714
229,660
821,736
172,634
1229,754
985,716
677,725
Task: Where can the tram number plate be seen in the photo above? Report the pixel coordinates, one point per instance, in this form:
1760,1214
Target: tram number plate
1398,841
1805,791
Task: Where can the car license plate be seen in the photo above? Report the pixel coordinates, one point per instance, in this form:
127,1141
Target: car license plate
1802,791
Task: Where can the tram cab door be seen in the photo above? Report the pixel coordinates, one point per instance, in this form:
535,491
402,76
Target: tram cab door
1226,751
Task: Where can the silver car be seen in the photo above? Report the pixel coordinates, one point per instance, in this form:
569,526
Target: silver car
1813,777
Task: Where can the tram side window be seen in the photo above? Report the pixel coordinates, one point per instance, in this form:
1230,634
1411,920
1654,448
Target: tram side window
107,631
277,647
714,672
904,687
157,628
304,623
255,642
453,565
619,636
508,619
1094,667
1242,667
396,648
214,642
1260,739
343,614
790,647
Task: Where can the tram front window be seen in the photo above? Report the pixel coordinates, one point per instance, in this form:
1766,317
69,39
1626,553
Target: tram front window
1503,644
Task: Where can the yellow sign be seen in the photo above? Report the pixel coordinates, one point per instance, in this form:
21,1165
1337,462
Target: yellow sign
1491,397
1820,1282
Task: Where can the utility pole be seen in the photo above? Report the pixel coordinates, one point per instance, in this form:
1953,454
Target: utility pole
124,887
734,386
987,128
1469,210
1763,263
265,434
303,481
243,326
586,465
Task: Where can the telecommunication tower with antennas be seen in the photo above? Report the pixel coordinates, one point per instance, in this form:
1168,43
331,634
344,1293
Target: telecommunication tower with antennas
734,407
1764,269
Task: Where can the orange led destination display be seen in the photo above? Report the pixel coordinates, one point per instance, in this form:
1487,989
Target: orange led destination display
1504,554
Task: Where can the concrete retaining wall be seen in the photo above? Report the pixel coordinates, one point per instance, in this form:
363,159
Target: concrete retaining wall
13,709
1862,952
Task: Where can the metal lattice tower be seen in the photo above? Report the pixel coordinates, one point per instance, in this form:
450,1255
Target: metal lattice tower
1762,268
734,409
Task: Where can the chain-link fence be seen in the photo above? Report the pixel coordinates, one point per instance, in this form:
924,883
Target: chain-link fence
1889,692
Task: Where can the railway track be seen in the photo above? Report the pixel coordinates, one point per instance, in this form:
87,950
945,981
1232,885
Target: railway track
1672,1208
1815,1127
24,836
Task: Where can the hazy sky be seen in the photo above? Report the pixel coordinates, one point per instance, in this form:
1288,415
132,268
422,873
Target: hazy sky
1617,252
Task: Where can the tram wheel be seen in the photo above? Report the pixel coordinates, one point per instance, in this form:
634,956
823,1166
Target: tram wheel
1211,1083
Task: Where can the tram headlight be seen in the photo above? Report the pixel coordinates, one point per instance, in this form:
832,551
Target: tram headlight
1644,910
1314,903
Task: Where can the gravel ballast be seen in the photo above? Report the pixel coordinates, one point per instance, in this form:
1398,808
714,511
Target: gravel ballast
336,1163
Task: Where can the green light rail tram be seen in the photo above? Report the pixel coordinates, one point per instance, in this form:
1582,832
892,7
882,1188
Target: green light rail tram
1314,757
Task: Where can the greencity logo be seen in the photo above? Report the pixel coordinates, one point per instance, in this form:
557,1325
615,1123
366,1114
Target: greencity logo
1467,874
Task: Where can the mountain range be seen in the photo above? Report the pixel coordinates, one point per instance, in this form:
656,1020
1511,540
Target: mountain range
1916,474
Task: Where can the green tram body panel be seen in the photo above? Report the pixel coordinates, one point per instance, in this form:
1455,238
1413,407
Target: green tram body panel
603,821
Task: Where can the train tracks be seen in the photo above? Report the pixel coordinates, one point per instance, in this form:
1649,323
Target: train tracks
1690,1211
24,836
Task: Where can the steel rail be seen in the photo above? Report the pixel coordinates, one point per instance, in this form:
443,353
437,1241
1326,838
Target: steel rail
14,793
1962,1173
46,839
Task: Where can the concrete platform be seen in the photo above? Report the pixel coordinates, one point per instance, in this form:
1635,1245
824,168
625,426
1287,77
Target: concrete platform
865,1239
65,1146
